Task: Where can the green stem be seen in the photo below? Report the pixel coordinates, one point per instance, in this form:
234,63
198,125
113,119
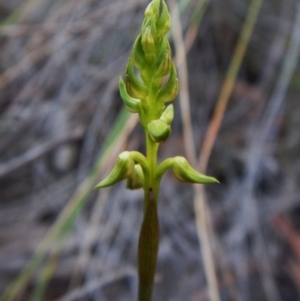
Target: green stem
149,235
148,248
151,182
163,167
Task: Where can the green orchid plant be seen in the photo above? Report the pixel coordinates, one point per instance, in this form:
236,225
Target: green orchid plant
150,83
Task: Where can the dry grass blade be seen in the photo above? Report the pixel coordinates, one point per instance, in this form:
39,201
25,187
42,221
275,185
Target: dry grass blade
37,152
96,284
263,134
228,84
45,276
89,238
200,209
183,83
27,62
74,205
45,49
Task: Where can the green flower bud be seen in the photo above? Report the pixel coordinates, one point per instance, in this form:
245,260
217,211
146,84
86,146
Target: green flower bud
183,172
152,8
133,85
168,114
165,64
138,56
170,90
136,179
148,44
149,10
123,169
133,105
164,22
159,130
164,47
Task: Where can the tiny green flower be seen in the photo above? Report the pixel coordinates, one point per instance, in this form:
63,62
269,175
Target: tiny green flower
170,90
148,44
164,22
133,105
122,170
164,65
134,86
138,56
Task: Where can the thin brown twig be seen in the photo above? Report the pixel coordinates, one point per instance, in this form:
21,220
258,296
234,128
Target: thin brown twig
228,85
96,284
184,98
200,208
91,233
36,153
44,49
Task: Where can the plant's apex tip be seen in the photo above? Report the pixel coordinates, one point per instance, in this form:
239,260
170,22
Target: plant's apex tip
149,10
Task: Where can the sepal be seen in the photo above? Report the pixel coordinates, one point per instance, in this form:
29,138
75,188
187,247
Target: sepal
134,86
123,169
149,10
164,22
164,65
183,172
164,47
152,8
148,44
138,56
170,90
133,105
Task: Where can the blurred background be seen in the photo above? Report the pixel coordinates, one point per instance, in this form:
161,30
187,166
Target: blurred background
62,125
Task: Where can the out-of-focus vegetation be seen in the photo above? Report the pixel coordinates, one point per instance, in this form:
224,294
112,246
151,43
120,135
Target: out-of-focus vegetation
62,126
